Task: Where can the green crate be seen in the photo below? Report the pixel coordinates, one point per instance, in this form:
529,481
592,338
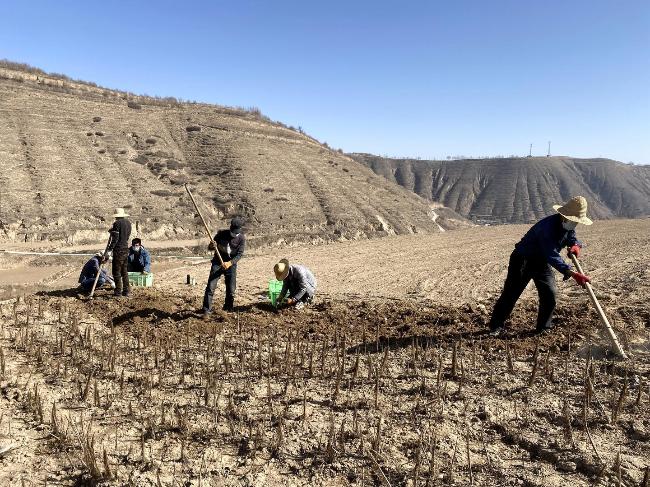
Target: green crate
141,280
275,288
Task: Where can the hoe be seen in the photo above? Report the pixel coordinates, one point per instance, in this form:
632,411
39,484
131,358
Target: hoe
610,331
216,252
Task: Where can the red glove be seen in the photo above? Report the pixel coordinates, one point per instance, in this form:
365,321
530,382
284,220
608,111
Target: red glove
581,279
575,250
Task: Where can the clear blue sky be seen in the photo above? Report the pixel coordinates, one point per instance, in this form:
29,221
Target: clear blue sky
412,78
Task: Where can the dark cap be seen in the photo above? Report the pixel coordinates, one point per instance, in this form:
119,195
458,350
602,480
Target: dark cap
236,224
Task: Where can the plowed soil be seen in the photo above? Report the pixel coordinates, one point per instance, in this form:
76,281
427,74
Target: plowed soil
388,379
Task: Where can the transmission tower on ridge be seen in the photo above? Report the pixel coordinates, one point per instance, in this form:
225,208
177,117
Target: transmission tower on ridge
530,151
548,154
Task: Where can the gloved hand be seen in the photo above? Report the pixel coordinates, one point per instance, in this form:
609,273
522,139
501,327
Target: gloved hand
290,301
211,246
581,279
144,273
575,250
226,265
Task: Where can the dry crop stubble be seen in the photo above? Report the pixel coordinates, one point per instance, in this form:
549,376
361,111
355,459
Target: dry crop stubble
150,393
367,390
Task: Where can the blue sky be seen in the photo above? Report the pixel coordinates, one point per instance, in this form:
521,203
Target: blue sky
408,78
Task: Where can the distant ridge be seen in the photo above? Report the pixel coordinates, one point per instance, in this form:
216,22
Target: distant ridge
521,190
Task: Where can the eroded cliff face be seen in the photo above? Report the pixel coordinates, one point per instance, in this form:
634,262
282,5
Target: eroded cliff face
520,190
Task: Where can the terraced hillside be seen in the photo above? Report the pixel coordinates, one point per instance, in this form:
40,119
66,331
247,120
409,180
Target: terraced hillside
71,152
520,190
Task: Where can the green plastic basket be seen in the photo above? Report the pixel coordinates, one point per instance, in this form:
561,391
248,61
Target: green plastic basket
138,279
275,288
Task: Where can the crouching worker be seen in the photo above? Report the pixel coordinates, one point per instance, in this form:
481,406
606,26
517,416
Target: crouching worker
298,283
139,259
230,245
535,257
90,270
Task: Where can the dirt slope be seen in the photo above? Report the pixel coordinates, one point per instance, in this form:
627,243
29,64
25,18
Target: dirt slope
518,190
71,152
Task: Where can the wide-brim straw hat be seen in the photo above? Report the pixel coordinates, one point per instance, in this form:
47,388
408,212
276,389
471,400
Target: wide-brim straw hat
575,210
281,270
120,213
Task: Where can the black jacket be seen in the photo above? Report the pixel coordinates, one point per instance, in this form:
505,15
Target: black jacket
120,234
231,248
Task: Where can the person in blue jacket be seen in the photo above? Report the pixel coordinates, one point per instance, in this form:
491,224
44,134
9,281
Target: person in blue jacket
534,258
139,259
89,272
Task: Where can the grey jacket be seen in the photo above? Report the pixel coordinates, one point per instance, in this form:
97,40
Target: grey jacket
299,282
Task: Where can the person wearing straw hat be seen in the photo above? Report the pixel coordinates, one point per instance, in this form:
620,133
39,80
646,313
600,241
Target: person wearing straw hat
534,258
90,270
230,245
119,246
297,281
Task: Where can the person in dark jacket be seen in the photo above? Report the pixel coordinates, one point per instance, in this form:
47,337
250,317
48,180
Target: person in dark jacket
230,245
298,282
535,257
89,273
119,246
139,259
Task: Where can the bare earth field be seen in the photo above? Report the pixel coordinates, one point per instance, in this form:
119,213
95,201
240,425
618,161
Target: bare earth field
389,379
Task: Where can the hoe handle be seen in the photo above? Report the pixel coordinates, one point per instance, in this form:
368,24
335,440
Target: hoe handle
216,250
610,331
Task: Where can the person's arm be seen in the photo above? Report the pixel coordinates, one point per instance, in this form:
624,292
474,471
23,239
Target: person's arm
147,259
553,257
302,284
240,251
573,244
115,233
96,266
285,290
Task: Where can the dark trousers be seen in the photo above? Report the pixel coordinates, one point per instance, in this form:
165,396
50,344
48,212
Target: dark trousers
230,276
520,271
120,270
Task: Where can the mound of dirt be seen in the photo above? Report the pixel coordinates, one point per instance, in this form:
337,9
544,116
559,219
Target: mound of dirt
521,190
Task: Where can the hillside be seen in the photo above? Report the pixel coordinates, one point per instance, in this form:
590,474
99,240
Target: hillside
70,152
520,190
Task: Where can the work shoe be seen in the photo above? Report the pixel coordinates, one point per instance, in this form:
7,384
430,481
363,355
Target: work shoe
117,293
126,294
497,332
543,329
205,314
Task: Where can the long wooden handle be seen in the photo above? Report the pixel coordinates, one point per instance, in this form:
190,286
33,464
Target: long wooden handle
610,331
216,250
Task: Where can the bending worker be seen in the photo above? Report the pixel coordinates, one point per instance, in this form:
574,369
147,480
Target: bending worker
297,281
230,245
89,273
139,259
535,256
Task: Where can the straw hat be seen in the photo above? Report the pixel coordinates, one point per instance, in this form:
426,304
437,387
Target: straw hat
575,210
120,213
281,270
